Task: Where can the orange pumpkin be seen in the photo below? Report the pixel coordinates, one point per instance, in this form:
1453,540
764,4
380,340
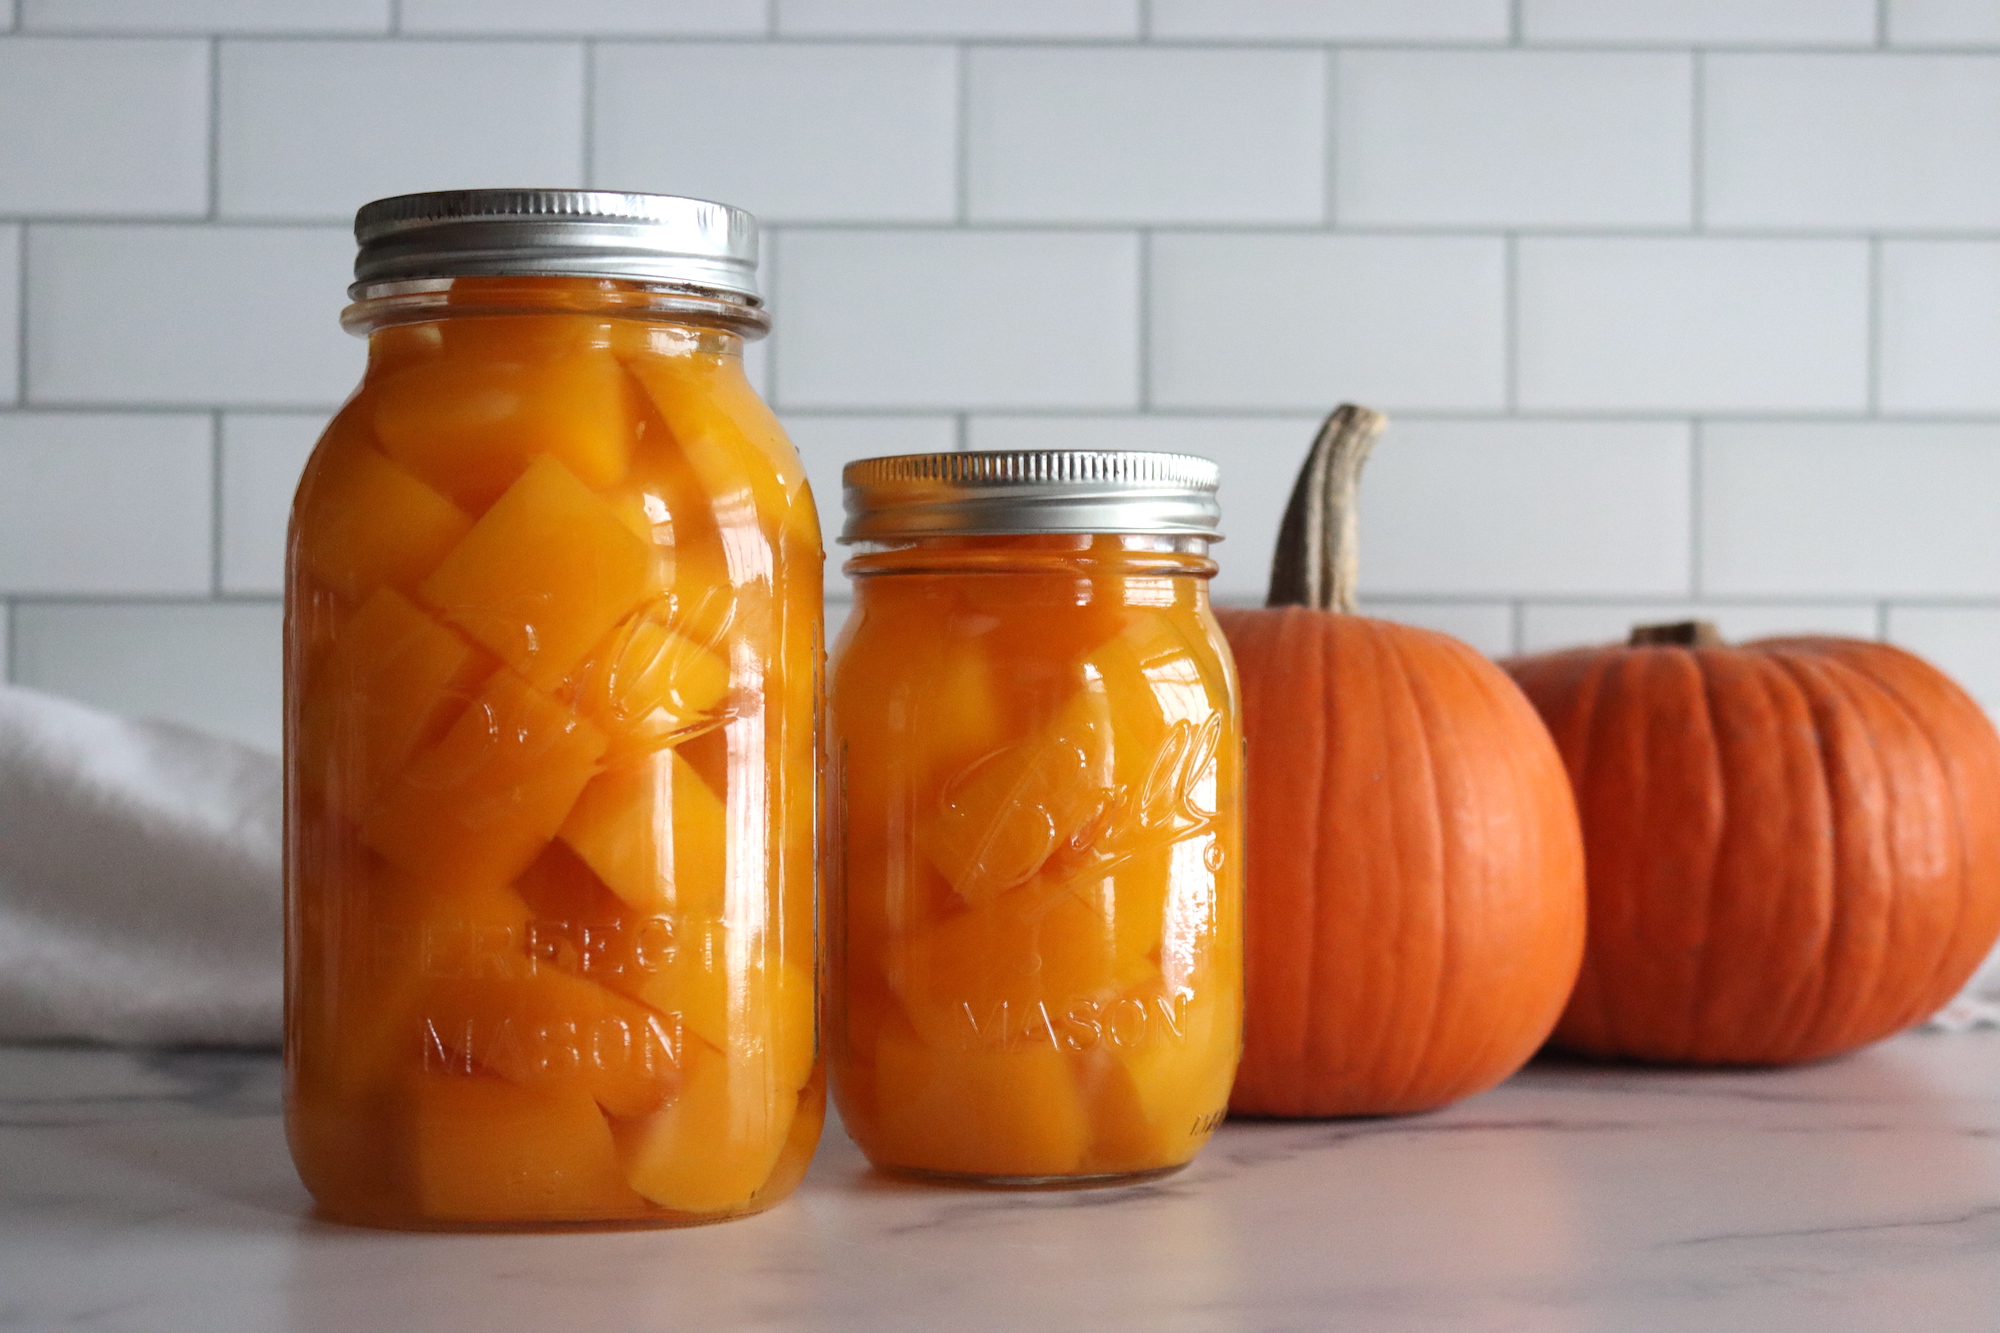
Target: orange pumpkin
1794,845
1414,886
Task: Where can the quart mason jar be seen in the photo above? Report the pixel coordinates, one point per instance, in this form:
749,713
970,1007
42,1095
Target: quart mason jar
553,621
1035,931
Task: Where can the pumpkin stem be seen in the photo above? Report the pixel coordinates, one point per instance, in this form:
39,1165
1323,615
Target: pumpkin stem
1318,561
1683,633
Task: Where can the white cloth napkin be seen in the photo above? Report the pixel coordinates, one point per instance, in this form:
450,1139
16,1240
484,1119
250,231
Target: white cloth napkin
140,894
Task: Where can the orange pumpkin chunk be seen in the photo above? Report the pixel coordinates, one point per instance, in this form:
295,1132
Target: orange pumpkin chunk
469,425
483,801
755,1007
715,1144
543,575
491,1151
1000,1113
654,832
390,679
552,1029
369,524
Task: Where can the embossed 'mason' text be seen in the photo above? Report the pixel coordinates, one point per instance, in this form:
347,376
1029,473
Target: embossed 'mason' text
1078,1025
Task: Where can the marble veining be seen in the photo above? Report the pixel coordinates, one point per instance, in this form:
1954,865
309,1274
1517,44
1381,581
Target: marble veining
151,1192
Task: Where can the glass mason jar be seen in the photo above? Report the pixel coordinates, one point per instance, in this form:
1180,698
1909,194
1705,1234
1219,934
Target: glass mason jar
552,682
1035,949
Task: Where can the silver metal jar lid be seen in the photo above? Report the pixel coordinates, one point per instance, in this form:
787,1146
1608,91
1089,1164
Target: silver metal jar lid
1030,491
563,233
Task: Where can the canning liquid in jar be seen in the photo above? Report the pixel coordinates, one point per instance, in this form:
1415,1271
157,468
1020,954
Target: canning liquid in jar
1035,942
552,682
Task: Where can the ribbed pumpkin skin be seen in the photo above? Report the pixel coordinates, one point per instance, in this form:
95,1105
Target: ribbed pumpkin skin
1414,873
1794,845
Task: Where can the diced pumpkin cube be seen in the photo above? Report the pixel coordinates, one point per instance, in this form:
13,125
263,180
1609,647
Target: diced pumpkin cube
1182,1070
654,832
648,683
552,1029
483,802
753,1005
389,682
543,575
1017,967
469,425
982,1113
998,823
365,523
713,1147
491,1151
732,441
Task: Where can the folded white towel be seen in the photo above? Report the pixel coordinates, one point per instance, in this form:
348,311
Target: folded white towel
140,878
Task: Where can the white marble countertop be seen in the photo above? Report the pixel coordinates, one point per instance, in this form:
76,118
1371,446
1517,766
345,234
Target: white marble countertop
152,1192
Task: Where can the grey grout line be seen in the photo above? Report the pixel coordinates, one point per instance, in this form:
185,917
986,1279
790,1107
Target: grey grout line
214,128
1330,139
1058,226
1697,141
1575,47
961,182
215,505
1145,20
1881,24
395,18
589,114
1510,314
1697,445
1143,343
1514,32
21,318
1882,621
13,638
961,428
1517,626
1874,370
770,20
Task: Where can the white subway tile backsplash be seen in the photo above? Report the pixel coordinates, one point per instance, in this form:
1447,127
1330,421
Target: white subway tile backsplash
1844,508
263,454
1880,141
313,130
1961,641
1110,134
680,18
1940,326
828,132
189,316
829,443
1487,626
205,16
1264,321
1260,456
1506,507
958,18
1701,22
1333,20
1944,22
1546,626
957,319
1526,138
10,314
1692,324
94,127
105,503
214,667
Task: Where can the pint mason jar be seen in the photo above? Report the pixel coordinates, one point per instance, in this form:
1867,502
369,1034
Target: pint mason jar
1035,924
552,679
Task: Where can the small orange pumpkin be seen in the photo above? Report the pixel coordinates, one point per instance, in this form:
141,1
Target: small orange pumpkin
1414,873
1794,845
